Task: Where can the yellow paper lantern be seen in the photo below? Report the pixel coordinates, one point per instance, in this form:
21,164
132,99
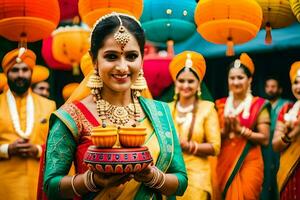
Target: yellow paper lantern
69,44
91,10
295,5
276,14
228,22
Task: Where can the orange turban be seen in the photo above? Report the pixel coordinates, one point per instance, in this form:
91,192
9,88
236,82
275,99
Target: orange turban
190,59
68,90
40,73
86,64
247,61
3,81
16,56
294,71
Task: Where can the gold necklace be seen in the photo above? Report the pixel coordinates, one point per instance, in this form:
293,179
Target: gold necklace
119,115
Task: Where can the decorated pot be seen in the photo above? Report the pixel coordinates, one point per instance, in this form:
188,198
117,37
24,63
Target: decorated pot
117,160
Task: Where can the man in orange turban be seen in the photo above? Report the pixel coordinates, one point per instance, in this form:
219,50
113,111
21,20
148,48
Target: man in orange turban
39,84
23,127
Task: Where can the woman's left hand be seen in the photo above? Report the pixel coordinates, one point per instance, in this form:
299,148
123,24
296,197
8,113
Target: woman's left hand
235,125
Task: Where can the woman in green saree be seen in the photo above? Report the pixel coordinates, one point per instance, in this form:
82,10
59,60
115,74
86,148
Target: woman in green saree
117,43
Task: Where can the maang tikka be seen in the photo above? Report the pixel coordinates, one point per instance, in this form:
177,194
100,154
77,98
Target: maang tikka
122,36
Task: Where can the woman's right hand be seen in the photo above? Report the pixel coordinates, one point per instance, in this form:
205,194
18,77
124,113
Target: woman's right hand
111,180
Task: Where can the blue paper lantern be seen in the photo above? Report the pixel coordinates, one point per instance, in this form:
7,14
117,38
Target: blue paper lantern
168,20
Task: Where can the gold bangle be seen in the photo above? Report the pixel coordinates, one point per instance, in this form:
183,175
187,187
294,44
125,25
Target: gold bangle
286,139
196,148
73,186
243,131
162,181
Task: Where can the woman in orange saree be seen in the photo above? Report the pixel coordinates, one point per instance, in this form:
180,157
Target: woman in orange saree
287,140
245,123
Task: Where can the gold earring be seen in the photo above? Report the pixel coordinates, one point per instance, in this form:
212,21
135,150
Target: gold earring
140,83
95,81
175,97
199,93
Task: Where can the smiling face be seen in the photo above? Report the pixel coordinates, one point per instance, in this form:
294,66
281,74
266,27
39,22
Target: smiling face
119,68
238,81
296,88
187,84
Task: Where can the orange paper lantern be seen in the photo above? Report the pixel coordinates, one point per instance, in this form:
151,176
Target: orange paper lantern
228,22
91,10
29,20
276,14
70,43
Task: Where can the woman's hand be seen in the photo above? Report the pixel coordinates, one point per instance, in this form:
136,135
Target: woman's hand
185,145
227,126
105,180
235,125
146,175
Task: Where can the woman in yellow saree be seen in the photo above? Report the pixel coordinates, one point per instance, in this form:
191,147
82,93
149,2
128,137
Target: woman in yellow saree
117,45
287,140
245,124
196,122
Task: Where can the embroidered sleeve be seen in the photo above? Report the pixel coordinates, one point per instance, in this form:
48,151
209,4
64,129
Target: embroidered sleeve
60,151
73,111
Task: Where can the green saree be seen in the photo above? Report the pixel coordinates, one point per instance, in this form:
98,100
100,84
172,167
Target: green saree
68,141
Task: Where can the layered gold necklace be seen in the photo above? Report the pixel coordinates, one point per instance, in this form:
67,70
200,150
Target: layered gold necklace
120,115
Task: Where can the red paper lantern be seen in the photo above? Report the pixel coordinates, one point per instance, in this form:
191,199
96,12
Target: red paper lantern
68,9
48,56
29,20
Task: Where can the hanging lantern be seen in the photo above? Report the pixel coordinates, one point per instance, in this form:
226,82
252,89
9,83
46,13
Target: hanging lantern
91,10
70,43
156,67
68,9
168,20
48,56
276,14
295,5
228,22
3,82
28,21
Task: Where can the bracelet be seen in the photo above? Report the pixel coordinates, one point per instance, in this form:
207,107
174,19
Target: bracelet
89,182
243,131
286,139
154,179
196,148
162,181
73,186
